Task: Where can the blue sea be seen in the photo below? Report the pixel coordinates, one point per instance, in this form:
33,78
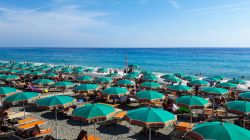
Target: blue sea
230,62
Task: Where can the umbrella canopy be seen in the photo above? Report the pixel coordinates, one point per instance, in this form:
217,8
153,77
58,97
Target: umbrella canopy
213,79
43,82
146,72
86,87
221,131
23,72
113,75
63,84
180,75
50,75
179,88
150,77
102,70
198,82
150,117
173,79
125,82
85,78
131,76
37,73
149,95
227,85
9,77
214,91
5,91
78,70
237,81
103,80
151,85
89,70
115,91
94,112
238,107
55,101
190,78
245,95
191,101
22,96
13,71
219,77
67,71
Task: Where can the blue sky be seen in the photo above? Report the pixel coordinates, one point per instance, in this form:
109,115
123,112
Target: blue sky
124,23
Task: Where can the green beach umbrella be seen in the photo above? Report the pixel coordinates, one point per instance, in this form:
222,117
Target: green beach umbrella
149,95
64,84
219,77
131,76
221,131
85,78
150,77
114,91
77,71
166,76
227,85
38,73
94,113
43,82
4,70
146,72
214,91
55,102
44,68
13,71
103,80
238,107
245,95
86,87
180,75
150,118
23,72
179,88
102,70
67,71
89,70
198,82
5,91
173,79
213,79
237,81
191,101
151,85
22,96
114,75
125,82
190,78
9,77
50,75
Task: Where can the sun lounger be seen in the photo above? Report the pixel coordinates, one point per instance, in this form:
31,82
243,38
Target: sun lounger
42,133
92,137
17,115
32,124
35,89
26,120
120,114
184,128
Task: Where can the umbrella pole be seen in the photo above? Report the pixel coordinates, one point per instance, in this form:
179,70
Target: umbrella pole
56,123
149,133
94,130
23,110
213,107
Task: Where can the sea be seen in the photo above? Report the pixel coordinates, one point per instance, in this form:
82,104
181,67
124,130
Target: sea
229,62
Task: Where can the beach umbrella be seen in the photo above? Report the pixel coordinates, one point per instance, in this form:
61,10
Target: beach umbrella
173,79
21,97
245,95
23,72
55,102
219,77
213,79
89,70
50,75
86,87
227,85
102,80
191,102
115,91
198,82
9,78
114,75
149,95
85,78
179,88
190,78
151,85
66,71
77,71
125,82
38,73
214,91
146,72
13,71
237,81
102,70
55,70
130,76
43,82
220,131
94,113
43,68
133,65
180,75
5,91
166,76
150,117
150,77
63,84
4,70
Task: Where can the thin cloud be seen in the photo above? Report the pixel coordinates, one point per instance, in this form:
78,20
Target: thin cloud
175,4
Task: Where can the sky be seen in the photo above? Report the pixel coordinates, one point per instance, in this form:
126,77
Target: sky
124,23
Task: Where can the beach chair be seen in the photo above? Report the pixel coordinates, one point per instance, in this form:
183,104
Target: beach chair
26,120
183,128
31,124
42,133
35,89
18,115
